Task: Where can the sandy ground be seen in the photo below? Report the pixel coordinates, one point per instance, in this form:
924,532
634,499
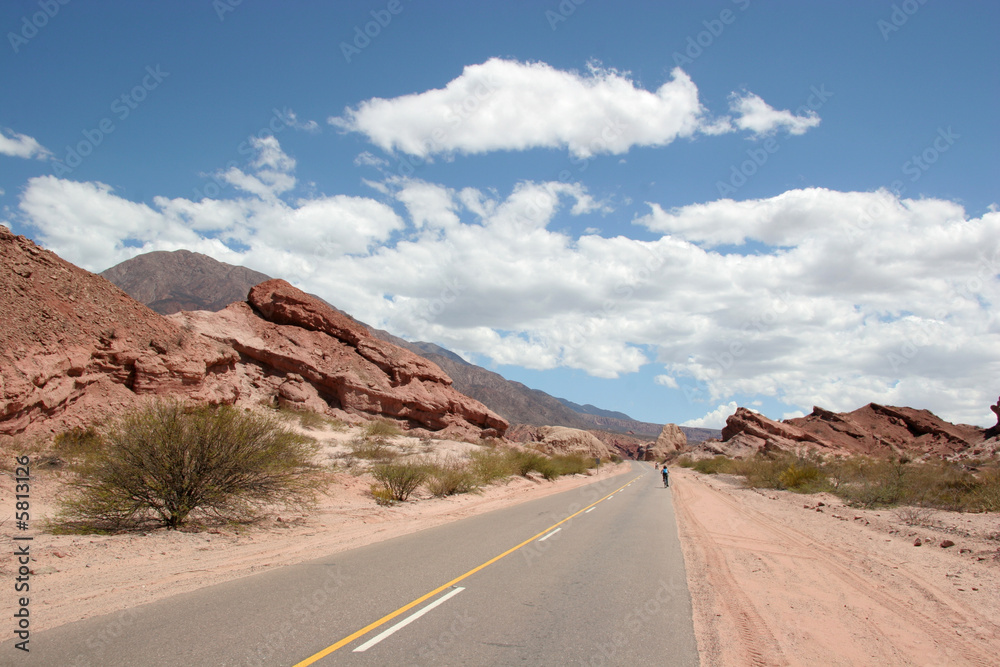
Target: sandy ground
778,578
79,576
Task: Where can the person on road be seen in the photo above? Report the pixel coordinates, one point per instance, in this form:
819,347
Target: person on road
666,479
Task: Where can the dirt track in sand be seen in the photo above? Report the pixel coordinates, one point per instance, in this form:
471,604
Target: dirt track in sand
775,582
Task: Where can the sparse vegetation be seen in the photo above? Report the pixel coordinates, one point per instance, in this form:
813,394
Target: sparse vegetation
869,482
381,428
397,481
491,465
79,445
451,477
373,449
162,464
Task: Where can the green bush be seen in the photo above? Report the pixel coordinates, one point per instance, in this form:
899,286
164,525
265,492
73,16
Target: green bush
572,464
685,462
714,465
160,464
399,480
525,461
490,465
802,476
451,477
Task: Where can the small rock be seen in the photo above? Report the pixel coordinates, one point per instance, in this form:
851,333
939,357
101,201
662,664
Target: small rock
947,543
917,542
58,554
963,550
820,504
818,509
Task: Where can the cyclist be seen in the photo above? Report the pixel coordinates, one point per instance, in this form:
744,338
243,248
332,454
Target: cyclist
666,479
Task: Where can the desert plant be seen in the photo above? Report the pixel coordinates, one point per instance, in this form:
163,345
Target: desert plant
572,464
913,515
490,465
381,428
400,479
714,465
451,477
373,448
524,461
803,476
161,463
78,444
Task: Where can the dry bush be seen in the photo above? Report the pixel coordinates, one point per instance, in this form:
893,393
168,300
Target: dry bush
490,465
451,477
398,481
160,464
913,515
373,449
381,428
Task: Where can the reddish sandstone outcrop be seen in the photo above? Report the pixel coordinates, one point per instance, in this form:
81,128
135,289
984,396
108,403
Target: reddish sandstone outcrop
308,355
74,348
873,430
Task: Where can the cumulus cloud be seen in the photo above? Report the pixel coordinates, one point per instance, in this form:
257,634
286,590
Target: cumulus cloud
756,115
714,419
510,105
21,145
850,297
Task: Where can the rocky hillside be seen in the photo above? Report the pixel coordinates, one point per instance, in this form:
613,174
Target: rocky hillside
169,282
873,430
159,280
308,355
75,349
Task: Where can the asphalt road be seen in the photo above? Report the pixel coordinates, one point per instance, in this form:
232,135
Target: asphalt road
592,576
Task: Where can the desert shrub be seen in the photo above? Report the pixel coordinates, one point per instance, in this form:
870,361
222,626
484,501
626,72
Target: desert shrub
874,483
986,496
914,515
451,477
160,464
714,465
803,476
373,449
524,461
490,465
685,462
615,458
78,444
572,464
761,472
399,480
381,428
382,495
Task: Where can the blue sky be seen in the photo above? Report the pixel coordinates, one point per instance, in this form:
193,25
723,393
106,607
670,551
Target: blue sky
668,209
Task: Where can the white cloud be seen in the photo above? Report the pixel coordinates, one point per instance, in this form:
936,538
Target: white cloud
714,419
666,381
510,105
853,297
21,145
757,116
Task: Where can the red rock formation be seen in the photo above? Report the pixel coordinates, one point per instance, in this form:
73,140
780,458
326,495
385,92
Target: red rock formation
75,349
873,430
297,348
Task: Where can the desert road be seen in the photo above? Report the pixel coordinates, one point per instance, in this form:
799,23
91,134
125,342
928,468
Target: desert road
591,576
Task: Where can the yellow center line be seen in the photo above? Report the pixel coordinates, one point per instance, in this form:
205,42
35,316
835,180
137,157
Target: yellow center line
423,598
